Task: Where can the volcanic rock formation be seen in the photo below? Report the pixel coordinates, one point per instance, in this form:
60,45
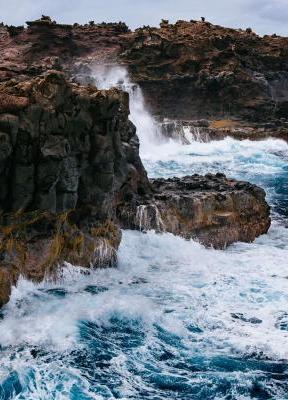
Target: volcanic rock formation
68,154
214,72
213,209
71,174
211,70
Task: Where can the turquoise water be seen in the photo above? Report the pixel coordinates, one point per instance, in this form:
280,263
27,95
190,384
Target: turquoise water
174,320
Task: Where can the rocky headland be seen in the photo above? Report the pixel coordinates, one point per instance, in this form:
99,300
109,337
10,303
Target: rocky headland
71,175
68,155
212,209
214,72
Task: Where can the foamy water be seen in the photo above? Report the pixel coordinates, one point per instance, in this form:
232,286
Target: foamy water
149,133
174,320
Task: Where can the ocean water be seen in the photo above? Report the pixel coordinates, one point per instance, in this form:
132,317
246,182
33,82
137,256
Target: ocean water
174,320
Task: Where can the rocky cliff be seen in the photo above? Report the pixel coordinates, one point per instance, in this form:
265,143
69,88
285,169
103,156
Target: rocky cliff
68,155
71,175
214,72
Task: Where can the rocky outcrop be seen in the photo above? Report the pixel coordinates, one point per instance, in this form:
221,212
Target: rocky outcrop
213,71
213,209
204,130
71,175
44,45
68,156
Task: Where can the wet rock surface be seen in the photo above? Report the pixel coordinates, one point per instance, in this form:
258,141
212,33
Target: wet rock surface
68,155
213,209
205,130
70,170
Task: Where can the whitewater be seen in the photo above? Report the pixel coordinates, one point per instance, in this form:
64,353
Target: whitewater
174,320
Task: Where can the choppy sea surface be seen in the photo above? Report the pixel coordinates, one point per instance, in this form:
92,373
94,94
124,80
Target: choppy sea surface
174,320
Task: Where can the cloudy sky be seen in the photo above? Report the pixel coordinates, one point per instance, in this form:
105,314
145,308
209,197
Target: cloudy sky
264,16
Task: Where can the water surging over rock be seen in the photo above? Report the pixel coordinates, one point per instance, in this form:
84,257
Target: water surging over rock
213,209
68,155
72,176
149,131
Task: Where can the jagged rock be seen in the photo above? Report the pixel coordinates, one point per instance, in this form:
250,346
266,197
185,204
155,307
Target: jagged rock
68,155
212,71
212,209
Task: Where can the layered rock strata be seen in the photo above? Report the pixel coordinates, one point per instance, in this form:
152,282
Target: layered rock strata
213,71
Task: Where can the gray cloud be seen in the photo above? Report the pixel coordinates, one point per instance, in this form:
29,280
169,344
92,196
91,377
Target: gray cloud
276,10
264,16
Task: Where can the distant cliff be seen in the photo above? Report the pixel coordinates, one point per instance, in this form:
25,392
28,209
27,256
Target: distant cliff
214,72
211,70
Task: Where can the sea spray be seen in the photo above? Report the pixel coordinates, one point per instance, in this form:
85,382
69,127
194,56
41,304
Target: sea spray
148,130
174,320
149,217
183,132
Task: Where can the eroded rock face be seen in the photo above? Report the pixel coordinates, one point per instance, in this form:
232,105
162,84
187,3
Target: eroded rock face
204,130
70,171
66,146
213,209
68,155
212,71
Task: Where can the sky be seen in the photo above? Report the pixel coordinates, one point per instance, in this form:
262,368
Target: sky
263,16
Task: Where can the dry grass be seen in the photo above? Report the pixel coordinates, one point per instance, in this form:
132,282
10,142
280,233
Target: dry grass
36,243
10,103
225,124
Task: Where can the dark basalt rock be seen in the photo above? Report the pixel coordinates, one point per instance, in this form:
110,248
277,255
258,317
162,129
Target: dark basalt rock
70,171
213,209
68,155
214,72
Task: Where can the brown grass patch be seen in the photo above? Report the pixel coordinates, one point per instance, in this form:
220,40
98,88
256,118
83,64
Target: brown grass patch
225,124
10,103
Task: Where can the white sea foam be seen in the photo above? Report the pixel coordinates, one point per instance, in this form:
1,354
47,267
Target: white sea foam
264,157
147,128
187,301
201,285
162,280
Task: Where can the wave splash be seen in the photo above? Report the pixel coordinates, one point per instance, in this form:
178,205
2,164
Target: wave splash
174,320
148,130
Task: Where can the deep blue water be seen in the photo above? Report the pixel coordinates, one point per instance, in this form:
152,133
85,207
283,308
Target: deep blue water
174,320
